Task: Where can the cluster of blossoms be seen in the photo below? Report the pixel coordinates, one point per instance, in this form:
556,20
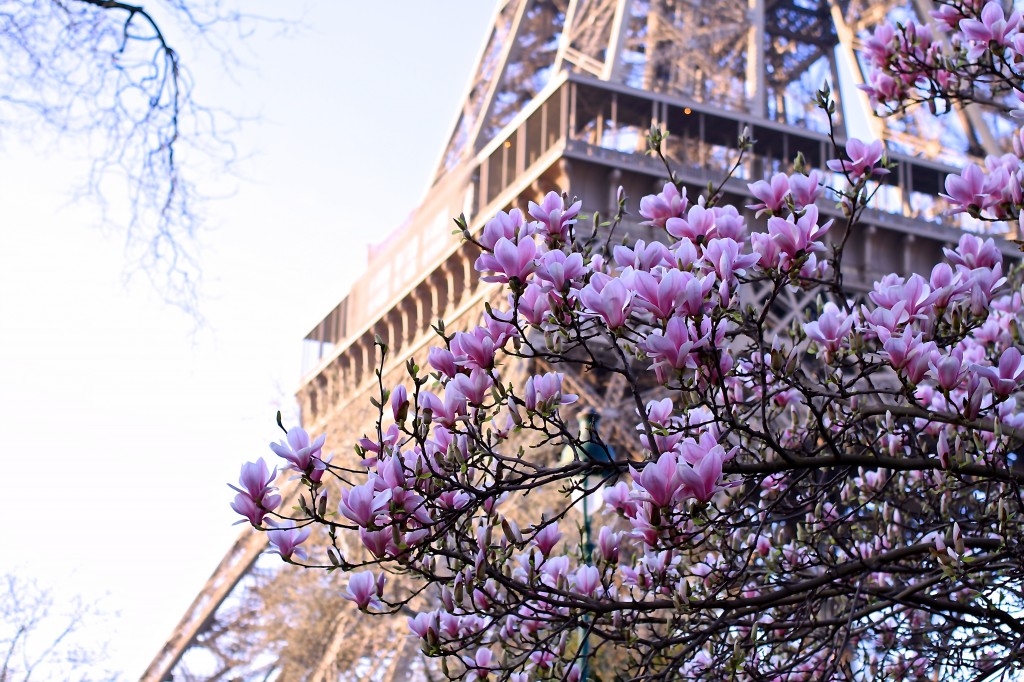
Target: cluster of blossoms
716,489
839,498
976,57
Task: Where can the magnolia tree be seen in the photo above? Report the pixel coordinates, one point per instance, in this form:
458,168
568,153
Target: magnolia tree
840,499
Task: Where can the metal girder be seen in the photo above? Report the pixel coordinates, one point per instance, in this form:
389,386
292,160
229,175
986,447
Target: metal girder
226,576
725,53
846,42
492,87
489,66
801,23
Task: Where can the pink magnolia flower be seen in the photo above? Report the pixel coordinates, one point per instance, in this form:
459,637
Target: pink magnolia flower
947,285
443,361
948,371
659,413
391,475
973,252
914,293
700,467
1018,108
669,203
805,189
607,298
1007,376
559,270
474,349
1009,414
663,441
643,256
767,249
695,300
480,665
253,510
948,15
992,27
724,256
831,329
446,412
255,499
659,480
799,235
365,590
543,660
554,216
424,625
684,254
454,499
256,479
286,541
547,537
675,348
910,354
399,403
511,225
967,191
543,393
661,296
534,305
608,542
863,159
511,262
498,326
730,224
390,440
985,283
643,525
879,47
586,580
979,390
475,387
881,87
302,455
771,195
619,499
698,226
883,322
381,542
362,504
555,570
812,268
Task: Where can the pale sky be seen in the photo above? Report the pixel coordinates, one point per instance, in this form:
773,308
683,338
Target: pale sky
120,426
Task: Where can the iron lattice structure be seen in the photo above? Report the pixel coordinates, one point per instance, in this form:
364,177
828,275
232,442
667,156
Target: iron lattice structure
562,97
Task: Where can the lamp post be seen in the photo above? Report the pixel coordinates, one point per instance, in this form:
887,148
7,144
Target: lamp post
591,449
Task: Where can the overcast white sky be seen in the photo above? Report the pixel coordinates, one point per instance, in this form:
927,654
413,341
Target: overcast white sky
120,427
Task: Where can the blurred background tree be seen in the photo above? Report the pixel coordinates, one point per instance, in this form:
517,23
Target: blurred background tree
112,80
45,637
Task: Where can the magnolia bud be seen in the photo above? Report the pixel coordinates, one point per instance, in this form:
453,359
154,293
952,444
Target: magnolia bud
958,539
511,531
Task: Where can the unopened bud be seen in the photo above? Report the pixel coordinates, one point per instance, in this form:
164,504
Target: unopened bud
511,531
958,538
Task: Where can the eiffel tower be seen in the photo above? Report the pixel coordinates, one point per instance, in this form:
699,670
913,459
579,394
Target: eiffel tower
562,98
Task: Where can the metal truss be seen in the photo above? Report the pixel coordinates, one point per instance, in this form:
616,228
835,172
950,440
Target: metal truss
764,57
